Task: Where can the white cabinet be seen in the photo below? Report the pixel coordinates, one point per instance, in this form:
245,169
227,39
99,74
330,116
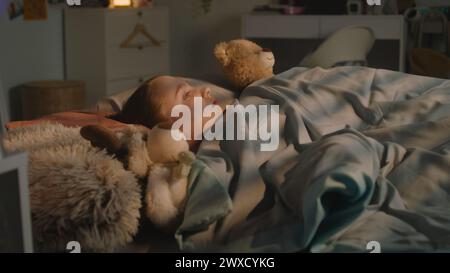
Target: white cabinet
275,26
93,53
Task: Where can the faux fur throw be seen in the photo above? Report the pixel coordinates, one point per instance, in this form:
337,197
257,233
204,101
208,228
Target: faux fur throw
77,192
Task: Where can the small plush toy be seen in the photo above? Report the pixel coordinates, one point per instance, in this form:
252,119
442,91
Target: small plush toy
244,62
154,154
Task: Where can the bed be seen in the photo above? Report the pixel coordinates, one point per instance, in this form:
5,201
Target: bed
363,157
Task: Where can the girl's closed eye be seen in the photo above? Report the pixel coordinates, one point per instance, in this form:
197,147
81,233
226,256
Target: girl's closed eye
188,91
187,94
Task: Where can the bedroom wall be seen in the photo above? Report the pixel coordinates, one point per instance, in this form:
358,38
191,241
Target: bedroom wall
30,50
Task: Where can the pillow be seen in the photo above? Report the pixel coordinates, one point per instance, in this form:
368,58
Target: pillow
116,102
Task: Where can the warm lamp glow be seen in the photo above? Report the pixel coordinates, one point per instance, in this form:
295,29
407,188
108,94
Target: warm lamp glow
121,3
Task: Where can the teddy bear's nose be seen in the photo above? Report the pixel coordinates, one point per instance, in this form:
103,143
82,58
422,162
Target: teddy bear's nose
266,50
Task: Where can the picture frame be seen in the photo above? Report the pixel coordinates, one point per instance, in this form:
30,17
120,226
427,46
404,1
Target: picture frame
15,217
15,8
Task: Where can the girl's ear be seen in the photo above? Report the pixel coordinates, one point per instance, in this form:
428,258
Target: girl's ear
102,137
220,51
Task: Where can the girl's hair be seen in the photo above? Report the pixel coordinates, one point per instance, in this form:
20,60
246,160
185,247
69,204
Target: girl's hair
143,107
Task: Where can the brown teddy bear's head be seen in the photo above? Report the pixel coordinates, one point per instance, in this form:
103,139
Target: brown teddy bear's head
244,62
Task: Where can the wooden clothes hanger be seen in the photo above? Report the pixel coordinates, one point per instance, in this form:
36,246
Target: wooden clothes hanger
140,29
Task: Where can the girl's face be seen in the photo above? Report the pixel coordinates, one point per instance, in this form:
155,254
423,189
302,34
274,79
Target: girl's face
172,91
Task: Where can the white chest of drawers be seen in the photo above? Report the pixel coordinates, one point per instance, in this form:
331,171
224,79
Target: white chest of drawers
93,53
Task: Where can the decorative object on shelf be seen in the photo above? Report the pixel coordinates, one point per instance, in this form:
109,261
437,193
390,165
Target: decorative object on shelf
269,8
142,3
386,7
15,8
354,7
47,97
120,3
35,9
293,7
83,3
293,10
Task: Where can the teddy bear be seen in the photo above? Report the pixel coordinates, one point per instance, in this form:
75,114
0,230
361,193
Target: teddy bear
244,62
156,156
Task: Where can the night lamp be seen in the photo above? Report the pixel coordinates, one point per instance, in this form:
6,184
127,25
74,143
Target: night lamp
120,3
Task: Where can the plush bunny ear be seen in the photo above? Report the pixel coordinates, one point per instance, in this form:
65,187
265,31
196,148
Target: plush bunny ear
220,51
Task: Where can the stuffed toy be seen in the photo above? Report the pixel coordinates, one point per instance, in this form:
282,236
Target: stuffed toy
244,62
155,155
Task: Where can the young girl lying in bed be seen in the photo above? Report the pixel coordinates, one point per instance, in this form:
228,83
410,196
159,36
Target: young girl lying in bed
151,104
153,101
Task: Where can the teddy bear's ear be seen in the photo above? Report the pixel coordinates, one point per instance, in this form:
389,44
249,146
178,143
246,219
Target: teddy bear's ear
101,137
220,51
